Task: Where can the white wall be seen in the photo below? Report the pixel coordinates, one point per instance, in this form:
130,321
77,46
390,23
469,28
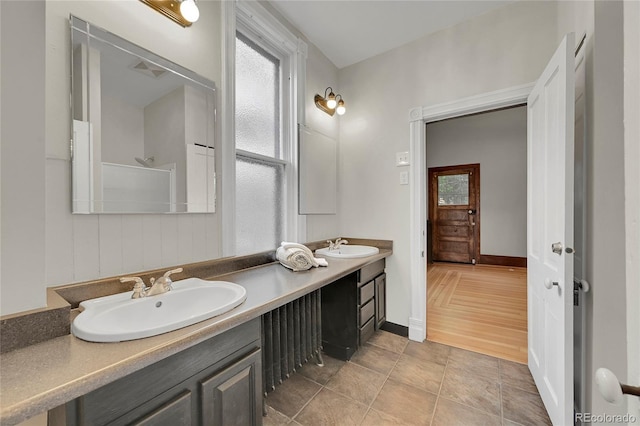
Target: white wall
122,131
498,141
321,73
632,191
23,146
165,133
43,243
502,48
605,258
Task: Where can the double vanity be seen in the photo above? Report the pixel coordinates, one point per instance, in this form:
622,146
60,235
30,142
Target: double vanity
209,372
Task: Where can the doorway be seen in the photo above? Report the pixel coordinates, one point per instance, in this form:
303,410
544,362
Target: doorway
454,212
477,294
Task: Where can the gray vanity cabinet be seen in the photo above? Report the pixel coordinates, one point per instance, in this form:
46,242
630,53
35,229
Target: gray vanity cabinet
216,382
353,308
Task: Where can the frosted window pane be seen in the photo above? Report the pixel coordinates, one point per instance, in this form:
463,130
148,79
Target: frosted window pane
259,200
257,99
453,190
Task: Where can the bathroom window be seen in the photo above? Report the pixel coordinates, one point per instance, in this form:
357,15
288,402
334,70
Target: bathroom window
260,168
266,64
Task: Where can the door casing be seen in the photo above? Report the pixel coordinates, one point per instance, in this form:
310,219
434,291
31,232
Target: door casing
418,118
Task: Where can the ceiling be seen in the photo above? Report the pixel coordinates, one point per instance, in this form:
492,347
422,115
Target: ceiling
350,31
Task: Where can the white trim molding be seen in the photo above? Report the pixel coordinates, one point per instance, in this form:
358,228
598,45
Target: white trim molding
226,146
418,118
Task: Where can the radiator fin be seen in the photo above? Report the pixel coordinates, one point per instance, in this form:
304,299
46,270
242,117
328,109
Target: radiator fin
291,336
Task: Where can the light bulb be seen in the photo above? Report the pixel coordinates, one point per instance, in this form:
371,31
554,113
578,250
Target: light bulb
331,101
341,109
189,10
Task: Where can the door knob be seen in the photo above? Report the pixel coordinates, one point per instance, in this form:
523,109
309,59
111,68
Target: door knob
611,389
549,284
471,211
557,248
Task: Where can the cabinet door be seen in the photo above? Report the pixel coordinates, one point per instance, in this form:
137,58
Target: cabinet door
233,396
381,300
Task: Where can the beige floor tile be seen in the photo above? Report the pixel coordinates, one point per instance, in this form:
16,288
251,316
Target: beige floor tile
406,403
523,407
331,408
474,363
449,413
517,375
321,374
389,341
376,358
428,351
473,390
376,418
274,418
356,382
425,375
292,395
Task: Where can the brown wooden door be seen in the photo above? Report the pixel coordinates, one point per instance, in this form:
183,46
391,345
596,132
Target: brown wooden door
454,212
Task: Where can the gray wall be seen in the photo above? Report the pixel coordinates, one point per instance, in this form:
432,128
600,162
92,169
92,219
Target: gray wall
498,141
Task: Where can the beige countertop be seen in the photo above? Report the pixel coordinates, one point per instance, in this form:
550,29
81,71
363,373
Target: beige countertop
40,377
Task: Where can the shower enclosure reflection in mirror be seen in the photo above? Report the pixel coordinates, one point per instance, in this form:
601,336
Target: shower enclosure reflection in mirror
143,129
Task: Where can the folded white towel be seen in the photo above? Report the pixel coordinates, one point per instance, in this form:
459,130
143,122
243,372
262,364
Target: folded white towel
297,257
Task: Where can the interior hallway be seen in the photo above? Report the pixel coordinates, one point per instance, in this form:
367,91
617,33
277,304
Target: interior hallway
482,308
392,380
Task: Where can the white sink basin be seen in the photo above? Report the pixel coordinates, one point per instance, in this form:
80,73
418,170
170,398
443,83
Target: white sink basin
119,317
348,251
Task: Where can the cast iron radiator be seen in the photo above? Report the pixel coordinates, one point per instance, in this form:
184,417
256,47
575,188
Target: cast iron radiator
291,336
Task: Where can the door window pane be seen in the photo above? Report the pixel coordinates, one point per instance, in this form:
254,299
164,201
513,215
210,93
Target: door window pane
259,215
257,99
453,190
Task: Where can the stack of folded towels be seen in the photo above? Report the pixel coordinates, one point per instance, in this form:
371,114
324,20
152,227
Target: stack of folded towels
298,257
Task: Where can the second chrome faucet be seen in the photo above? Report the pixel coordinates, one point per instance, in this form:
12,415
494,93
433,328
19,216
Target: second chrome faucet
159,286
336,245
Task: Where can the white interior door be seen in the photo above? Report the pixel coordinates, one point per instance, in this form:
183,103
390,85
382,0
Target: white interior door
550,128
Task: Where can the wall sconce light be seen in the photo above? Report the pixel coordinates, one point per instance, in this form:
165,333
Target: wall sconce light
330,103
183,12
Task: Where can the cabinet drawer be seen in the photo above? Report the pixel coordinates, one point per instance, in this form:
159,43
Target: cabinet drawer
367,311
370,271
366,331
366,292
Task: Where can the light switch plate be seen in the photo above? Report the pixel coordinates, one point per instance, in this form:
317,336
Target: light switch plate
402,159
404,178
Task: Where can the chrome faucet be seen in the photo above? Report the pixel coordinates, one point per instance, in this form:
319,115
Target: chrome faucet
139,289
336,245
162,284
159,286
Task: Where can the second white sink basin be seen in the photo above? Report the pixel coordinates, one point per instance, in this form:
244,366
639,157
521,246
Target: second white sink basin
118,317
348,251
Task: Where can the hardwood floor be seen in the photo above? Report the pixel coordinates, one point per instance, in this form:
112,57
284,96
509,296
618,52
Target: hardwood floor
482,308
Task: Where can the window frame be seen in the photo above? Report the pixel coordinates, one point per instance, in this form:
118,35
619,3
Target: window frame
253,21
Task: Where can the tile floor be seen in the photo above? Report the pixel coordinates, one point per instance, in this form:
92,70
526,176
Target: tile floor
394,381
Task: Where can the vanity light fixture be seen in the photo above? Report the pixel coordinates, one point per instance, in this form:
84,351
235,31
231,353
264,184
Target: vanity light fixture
183,12
330,102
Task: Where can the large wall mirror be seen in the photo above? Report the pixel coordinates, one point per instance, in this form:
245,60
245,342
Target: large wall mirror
143,129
